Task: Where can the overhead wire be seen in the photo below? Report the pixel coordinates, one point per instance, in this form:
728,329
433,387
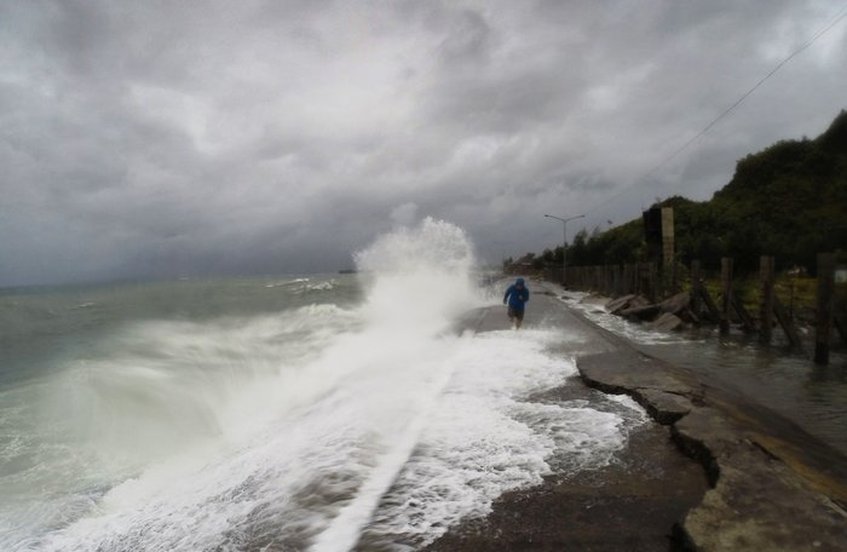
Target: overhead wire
832,23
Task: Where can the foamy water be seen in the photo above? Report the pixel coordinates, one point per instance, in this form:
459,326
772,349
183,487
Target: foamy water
318,427
594,309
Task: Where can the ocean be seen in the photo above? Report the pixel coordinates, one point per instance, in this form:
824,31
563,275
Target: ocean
297,412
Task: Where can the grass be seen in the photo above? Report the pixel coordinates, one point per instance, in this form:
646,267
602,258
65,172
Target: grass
798,294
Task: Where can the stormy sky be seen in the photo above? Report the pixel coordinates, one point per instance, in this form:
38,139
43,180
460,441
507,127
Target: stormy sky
160,139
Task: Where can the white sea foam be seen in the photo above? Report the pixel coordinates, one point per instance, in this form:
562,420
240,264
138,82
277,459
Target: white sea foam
288,283
322,286
598,314
323,426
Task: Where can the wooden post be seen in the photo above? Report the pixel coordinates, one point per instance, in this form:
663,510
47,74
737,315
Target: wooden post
667,236
696,287
613,281
639,284
636,278
766,306
726,300
653,279
668,273
676,285
826,289
657,276
618,281
714,312
610,279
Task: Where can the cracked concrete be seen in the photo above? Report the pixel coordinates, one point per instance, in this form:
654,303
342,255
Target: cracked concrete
767,493
769,486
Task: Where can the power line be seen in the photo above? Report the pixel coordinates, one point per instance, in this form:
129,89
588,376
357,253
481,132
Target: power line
832,23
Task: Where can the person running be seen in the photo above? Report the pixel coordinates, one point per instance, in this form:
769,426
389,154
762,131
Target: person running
516,297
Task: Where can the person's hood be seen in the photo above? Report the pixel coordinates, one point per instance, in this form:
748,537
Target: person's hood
519,282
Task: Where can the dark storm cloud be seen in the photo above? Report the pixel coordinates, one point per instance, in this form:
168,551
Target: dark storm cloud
159,139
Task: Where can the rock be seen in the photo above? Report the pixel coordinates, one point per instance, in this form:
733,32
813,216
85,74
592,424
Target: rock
666,322
666,408
639,301
645,312
616,305
676,304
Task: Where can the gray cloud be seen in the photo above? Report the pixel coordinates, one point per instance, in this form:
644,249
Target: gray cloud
154,139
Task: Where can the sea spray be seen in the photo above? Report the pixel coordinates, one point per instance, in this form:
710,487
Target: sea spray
418,278
320,427
418,281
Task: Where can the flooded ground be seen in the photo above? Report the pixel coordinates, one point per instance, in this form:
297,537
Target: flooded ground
814,397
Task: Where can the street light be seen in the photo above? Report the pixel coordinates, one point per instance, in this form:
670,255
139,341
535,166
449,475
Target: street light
564,242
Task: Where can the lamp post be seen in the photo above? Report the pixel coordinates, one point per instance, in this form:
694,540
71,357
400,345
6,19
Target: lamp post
564,242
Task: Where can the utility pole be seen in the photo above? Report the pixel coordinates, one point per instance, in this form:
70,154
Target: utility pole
564,243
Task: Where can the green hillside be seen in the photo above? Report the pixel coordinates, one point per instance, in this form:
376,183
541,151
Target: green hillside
789,200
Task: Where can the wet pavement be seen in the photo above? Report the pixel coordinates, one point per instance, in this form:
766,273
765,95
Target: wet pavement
715,472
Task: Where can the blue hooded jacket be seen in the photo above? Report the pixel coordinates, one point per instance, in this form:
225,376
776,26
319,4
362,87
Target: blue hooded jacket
517,296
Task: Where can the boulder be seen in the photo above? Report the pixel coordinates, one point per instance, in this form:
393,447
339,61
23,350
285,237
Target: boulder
616,305
676,304
645,312
666,322
639,301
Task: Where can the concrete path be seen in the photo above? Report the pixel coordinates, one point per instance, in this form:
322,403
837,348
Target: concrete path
760,482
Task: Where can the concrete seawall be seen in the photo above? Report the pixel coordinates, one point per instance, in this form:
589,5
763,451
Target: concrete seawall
767,492
767,484
773,486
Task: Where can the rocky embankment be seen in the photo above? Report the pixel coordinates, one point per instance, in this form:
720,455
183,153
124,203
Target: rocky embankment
767,491
669,314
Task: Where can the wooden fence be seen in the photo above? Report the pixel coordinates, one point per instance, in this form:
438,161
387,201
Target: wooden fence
648,280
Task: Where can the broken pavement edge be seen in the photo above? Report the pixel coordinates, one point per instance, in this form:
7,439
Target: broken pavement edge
767,492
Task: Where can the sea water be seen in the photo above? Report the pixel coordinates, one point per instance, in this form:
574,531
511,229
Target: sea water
280,413
785,381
